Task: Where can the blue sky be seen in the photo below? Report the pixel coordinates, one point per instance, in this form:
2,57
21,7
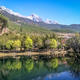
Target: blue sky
63,11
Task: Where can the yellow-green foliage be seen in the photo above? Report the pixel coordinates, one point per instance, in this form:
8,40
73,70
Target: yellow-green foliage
28,43
13,66
53,63
53,43
9,44
17,44
16,65
29,65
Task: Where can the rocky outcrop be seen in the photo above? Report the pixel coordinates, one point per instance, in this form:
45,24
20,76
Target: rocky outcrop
5,30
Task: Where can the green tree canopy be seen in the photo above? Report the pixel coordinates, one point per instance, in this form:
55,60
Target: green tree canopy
28,43
17,44
39,42
9,44
51,43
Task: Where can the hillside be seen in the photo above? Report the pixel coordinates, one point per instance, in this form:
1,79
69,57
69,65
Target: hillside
25,27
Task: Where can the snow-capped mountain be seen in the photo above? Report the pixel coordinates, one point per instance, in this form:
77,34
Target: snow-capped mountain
48,21
11,12
33,17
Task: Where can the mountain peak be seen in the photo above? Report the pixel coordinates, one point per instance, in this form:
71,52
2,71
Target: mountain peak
3,7
35,17
48,21
10,11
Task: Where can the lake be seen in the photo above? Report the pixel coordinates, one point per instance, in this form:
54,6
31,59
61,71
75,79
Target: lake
26,68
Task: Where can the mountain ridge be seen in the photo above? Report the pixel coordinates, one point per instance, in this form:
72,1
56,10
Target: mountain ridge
35,19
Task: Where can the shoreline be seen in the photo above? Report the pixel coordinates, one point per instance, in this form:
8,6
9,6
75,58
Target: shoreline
28,53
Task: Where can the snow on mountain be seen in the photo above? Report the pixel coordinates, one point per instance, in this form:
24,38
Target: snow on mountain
35,17
32,17
55,22
11,12
48,21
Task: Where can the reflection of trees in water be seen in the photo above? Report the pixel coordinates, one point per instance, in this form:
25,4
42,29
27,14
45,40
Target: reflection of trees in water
16,65
29,65
3,75
8,68
14,69
29,68
74,66
52,65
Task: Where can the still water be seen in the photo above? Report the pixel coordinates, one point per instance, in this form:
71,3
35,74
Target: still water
26,68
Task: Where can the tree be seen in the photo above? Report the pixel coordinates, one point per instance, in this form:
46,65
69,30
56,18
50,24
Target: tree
28,43
3,40
51,43
38,43
3,22
9,44
74,45
17,44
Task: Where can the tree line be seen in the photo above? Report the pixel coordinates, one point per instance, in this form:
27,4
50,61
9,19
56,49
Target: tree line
10,41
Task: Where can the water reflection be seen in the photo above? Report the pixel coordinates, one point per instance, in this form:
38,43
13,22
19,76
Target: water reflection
74,65
29,65
53,63
16,65
30,69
